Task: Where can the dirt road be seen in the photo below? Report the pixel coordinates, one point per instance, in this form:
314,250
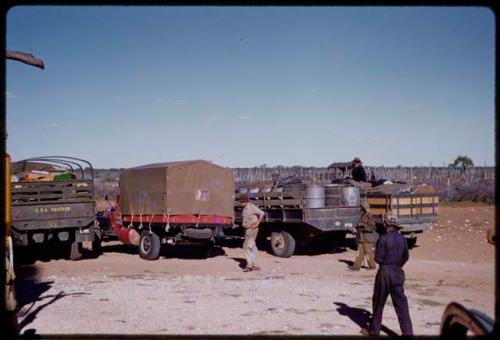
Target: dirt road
304,294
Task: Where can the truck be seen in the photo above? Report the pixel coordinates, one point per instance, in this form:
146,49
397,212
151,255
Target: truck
188,202
297,214
52,204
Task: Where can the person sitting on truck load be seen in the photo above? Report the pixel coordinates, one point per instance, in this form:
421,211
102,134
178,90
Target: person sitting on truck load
365,234
252,216
358,171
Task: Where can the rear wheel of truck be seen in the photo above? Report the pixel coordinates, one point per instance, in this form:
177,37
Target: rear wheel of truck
411,242
75,251
149,245
282,244
339,239
24,256
96,246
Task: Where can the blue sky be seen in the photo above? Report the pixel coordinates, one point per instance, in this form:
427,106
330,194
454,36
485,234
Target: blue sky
245,86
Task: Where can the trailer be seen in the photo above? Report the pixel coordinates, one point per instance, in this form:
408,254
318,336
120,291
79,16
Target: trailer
298,214
415,206
173,203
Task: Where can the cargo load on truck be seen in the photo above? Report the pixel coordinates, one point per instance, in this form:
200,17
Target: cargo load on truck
415,205
189,201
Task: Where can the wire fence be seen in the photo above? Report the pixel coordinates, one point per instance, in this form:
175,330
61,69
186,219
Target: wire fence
412,175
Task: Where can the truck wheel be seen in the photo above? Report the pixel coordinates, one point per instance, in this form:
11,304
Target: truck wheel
282,244
96,246
339,239
411,242
75,251
10,324
149,245
24,257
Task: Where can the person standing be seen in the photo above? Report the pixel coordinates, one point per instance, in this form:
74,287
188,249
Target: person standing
391,254
252,216
365,234
358,171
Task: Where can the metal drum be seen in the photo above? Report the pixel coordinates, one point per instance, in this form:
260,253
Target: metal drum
350,196
333,195
252,192
315,196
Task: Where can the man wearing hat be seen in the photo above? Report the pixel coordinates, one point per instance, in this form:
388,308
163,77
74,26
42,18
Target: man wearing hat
365,234
391,254
252,216
358,172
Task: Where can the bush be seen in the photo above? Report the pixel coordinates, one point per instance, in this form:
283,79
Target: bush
476,191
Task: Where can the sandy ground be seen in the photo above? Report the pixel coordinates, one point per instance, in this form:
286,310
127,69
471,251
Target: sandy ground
305,294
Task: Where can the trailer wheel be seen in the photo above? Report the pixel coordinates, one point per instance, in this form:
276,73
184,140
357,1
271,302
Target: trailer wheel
75,251
282,244
411,242
149,245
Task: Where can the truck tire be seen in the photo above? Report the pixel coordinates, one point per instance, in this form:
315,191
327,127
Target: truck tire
149,245
412,241
24,257
339,239
282,244
75,251
96,246
9,323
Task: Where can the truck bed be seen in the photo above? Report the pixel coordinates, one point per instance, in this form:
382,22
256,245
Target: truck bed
289,206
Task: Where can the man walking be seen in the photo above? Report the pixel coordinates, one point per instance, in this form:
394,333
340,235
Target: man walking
252,216
391,254
365,234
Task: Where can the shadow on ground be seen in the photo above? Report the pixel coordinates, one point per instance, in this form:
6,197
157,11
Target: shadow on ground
191,251
347,262
181,251
30,290
115,247
361,317
241,261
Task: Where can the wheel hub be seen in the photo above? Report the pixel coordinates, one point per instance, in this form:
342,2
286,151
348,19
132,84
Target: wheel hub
146,244
279,241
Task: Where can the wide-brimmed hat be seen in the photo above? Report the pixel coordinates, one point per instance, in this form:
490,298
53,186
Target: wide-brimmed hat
391,220
356,160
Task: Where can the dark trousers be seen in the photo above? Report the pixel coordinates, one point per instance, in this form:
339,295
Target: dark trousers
390,280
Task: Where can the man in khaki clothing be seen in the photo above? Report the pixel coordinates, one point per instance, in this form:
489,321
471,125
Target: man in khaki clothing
366,238
252,216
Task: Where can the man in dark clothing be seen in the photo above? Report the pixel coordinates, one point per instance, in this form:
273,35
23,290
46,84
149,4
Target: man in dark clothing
358,172
391,254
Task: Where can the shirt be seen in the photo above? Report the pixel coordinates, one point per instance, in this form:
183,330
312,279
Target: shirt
250,213
391,249
358,173
365,229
